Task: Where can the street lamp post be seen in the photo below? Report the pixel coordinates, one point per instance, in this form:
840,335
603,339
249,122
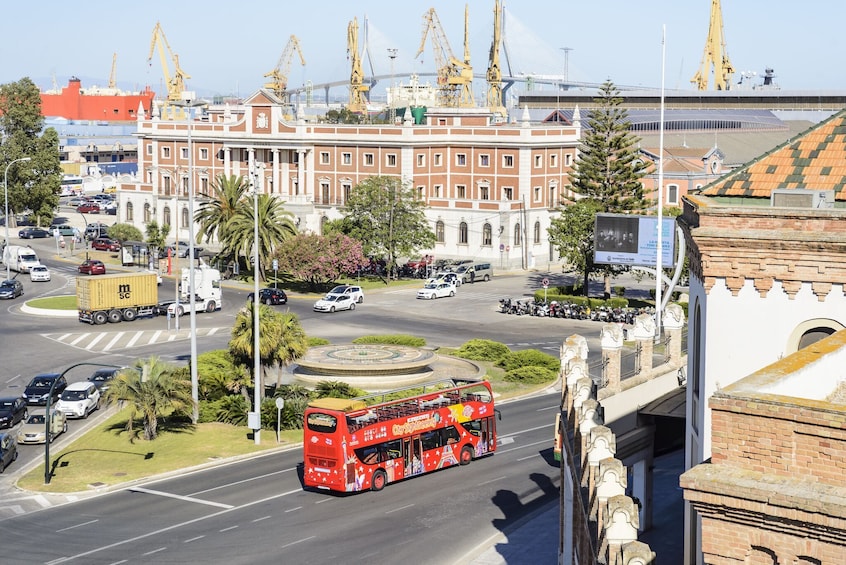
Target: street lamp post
256,340
392,112
6,222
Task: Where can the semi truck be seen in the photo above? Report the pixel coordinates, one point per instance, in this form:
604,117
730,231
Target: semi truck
206,296
116,298
20,258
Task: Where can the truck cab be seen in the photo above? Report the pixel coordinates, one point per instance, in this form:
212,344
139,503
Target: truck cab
207,293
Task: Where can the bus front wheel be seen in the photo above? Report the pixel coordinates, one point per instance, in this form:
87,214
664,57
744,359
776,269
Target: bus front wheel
466,455
380,478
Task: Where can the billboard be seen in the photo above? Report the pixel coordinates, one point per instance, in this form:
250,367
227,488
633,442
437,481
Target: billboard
621,239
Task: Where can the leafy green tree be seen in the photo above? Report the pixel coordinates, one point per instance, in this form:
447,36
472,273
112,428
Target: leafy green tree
607,172
33,185
219,375
343,116
336,389
572,234
227,198
154,390
282,339
276,225
125,232
157,234
388,219
319,259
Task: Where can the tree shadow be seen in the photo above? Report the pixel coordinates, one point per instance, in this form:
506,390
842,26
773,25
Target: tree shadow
61,460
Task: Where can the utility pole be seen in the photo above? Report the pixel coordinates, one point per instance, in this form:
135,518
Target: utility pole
392,112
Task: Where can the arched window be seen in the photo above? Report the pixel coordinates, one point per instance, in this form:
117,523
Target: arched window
487,235
185,218
462,233
537,232
166,216
439,231
147,213
517,235
129,215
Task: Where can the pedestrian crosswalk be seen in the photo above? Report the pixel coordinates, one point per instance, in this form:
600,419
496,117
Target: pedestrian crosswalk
105,342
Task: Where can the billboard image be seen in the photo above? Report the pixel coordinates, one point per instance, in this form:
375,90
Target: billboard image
621,239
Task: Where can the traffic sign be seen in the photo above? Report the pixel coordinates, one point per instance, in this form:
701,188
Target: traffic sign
508,248
545,283
502,247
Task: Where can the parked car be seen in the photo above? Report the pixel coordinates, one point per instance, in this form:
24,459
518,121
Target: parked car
13,409
105,244
90,207
91,267
96,231
33,233
273,296
178,249
436,290
77,201
334,302
38,389
64,229
11,288
350,290
8,451
39,273
110,208
33,430
78,400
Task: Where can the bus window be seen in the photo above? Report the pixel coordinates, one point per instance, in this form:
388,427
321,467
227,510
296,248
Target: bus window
473,426
451,435
368,455
430,440
393,449
322,423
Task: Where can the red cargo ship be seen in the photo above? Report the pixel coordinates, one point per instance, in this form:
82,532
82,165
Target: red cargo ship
100,104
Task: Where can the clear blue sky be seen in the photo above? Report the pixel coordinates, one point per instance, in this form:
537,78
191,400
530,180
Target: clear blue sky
227,47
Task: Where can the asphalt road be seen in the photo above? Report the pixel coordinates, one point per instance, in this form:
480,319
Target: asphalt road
257,512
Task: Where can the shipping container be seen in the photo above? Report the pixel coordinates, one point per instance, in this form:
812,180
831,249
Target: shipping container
118,297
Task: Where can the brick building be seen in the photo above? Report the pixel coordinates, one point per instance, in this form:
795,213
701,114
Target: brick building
766,282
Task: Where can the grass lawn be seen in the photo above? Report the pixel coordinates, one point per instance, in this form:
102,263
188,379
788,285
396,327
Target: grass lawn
54,303
105,456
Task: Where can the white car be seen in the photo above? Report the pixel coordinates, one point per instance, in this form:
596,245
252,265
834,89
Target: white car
436,290
447,277
79,400
350,290
335,302
39,273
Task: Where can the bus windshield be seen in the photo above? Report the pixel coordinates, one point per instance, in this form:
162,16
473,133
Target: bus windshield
365,443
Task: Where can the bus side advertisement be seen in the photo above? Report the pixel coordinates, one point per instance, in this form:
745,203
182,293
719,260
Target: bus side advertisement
365,443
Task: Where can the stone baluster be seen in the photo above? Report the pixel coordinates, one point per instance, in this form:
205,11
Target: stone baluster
611,340
620,528
637,553
611,481
644,335
601,444
673,322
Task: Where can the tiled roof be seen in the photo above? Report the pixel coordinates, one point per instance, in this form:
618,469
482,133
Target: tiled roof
816,160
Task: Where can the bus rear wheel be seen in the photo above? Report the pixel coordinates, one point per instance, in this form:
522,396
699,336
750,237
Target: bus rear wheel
466,455
380,478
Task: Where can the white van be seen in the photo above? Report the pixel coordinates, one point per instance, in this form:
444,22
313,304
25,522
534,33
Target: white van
20,258
475,272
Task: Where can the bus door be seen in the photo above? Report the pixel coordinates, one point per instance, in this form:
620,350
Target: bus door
412,451
488,442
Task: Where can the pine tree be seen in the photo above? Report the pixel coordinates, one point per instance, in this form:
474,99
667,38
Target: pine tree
607,174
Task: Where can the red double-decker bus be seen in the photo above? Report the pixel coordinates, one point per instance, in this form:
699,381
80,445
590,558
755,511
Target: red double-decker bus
367,442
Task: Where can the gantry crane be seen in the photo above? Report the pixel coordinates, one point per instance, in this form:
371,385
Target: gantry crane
715,55
454,77
494,74
279,74
175,84
112,75
358,102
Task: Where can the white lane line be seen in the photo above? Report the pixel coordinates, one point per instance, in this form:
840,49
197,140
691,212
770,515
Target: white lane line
156,337
114,341
506,440
77,526
19,376
154,551
396,509
538,410
493,480
230,527
195,538
292,509
523,446
174,527
213,331
80,338
136,337
180,497
228,485
63,337
262,518
118,562
95,341
296,542
550,425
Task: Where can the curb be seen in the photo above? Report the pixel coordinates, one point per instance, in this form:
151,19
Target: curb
26,309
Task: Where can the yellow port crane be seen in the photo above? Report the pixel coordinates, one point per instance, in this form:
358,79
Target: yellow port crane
715,55
494,74
455,77
279,74
176,84
358,102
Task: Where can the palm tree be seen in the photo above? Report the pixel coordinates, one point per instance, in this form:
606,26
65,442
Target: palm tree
152,388
282,339
275,226
226,201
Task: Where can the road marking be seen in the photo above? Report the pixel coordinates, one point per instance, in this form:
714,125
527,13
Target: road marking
94,342
156,337
13,378
64,337
135,338
155,551
398,509
77,526
213,331
227,529
529,430
14,509
546,441
262,518
195,538
529,457
506,440
180,497
114,341
290,510
493,480
80,338
296,542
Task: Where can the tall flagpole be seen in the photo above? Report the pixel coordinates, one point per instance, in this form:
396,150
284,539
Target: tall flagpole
659,278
